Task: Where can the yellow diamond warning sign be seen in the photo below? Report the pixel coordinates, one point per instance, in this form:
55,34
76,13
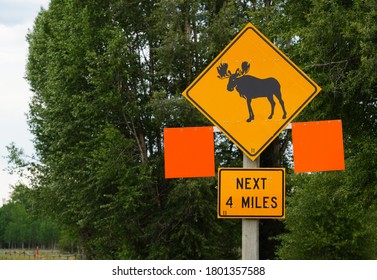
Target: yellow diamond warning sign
251,91
251,193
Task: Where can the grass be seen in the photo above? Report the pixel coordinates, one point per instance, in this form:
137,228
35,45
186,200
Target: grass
24,254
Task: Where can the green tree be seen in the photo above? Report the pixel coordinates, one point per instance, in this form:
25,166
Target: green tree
22,226
330,215
5,219
81,116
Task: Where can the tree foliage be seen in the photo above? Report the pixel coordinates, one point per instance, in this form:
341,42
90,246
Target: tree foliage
21,228
331,216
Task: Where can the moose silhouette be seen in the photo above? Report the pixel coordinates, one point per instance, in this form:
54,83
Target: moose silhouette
250,87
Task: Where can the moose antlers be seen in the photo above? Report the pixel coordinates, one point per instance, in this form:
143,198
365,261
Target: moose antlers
245,67
224,73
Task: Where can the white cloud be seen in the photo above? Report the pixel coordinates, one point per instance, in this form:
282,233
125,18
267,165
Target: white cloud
13,12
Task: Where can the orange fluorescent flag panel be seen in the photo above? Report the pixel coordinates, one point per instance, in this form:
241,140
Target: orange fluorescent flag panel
189,152
318,146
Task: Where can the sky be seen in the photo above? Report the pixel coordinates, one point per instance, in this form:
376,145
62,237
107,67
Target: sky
16,19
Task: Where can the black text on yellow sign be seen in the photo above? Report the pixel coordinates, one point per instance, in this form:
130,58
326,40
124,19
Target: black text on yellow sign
251,193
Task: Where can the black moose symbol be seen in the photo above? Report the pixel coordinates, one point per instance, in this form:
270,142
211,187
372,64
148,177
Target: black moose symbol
250,87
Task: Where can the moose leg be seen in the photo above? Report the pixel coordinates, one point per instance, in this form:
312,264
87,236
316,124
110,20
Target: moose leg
278,96
251,114
283,107
272,102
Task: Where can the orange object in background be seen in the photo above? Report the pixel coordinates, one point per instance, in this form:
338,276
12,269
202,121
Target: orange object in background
189,152
318,146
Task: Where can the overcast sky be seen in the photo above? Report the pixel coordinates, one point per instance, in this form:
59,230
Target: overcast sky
16,18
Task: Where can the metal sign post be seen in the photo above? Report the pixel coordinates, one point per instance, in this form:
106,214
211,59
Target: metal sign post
250,227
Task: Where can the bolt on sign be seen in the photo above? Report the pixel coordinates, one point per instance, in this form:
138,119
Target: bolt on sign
251,193
251,91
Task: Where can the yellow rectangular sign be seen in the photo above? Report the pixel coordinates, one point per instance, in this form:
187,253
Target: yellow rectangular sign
251,193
